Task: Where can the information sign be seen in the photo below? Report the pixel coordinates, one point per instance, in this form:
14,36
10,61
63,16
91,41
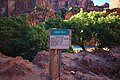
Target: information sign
60,38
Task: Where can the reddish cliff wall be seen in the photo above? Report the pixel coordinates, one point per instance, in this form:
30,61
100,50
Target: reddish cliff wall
87,5
41,10
17,7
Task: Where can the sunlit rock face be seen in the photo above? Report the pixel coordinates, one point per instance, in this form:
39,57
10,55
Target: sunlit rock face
114,4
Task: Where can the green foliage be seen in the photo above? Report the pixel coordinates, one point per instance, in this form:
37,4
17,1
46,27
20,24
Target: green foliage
56,22
17,38
104,27
74,9
63,12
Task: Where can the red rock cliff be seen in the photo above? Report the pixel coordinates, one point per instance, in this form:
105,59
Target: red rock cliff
17,7
39,10
87,5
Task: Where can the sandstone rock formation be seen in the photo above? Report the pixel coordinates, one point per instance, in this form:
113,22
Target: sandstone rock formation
42,11
57,4
19,69
42,59
17,7
87,5
68,15
116,10
39,10
97,65
114,4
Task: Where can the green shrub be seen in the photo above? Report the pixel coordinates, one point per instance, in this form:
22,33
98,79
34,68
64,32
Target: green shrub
105,28
17,38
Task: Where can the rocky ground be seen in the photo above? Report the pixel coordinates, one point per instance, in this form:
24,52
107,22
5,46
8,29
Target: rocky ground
19,69
96,65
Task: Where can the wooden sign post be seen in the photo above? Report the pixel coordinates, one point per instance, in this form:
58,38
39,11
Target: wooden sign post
53,66
58,39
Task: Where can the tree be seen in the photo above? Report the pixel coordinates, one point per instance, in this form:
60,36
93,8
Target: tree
104,27
19,39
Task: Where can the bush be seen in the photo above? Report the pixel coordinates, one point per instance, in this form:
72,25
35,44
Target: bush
105,28
56,22
17,38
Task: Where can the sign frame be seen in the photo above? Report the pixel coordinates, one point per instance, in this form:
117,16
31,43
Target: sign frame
60,38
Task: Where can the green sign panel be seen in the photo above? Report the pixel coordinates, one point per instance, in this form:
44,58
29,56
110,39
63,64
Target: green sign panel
59,32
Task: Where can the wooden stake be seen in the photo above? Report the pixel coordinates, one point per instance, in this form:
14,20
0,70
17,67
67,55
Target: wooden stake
53,64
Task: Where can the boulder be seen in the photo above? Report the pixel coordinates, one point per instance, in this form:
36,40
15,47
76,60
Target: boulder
42,59
19,69
96,65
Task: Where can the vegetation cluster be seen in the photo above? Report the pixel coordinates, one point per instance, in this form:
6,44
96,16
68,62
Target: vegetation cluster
18,38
